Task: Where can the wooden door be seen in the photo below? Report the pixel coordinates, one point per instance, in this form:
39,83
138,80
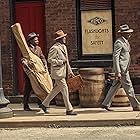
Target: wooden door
31,16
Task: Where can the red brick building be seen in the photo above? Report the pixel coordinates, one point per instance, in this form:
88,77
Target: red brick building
47,16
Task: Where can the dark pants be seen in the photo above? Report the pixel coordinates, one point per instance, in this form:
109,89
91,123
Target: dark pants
27,91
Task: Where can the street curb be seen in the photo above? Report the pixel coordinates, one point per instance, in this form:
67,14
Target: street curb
71,123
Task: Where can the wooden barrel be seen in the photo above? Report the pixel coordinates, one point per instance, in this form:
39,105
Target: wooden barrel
73,96
120,99
92,92
74,99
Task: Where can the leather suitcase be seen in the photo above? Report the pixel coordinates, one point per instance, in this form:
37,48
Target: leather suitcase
75,83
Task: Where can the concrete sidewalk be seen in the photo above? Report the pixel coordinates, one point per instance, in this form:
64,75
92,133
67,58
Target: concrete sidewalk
87,117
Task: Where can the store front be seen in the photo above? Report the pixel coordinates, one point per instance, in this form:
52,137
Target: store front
91,26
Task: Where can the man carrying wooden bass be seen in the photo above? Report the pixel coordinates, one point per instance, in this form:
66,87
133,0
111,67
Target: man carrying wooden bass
33,44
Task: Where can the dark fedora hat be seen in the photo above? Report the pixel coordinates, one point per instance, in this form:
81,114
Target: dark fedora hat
125,29
59,34
32,35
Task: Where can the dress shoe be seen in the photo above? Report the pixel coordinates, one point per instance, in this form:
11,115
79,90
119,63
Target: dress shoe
106,107
27,109
136,108
71,112
44,108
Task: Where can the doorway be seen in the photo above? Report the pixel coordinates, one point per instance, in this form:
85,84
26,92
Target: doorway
31,16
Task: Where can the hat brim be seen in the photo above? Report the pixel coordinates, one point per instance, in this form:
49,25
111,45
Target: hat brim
127,31
60,36
33,37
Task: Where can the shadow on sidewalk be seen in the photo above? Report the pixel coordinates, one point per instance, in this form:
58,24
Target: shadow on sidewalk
33,113
90,111
123,111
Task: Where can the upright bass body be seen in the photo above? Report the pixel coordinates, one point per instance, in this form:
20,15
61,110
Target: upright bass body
39,76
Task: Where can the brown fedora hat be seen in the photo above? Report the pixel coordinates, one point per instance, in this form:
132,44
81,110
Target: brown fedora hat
59,34
125,29
32,35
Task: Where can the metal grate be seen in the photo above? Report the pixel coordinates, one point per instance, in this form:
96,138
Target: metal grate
95,4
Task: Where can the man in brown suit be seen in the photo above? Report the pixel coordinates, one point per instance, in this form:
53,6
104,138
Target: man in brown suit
60,69
33,42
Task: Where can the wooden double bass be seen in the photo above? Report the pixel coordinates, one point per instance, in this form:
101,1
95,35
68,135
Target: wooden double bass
40,79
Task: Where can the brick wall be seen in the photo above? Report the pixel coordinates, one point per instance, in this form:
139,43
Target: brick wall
129,12
6,48
61,14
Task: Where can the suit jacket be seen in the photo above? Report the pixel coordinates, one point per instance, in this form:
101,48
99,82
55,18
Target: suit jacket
57,55
37,51
121,55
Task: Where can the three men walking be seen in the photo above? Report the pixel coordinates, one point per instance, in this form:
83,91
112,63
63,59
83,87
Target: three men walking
61,70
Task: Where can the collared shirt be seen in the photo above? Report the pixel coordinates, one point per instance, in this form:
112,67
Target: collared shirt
125,39
32,46
127,42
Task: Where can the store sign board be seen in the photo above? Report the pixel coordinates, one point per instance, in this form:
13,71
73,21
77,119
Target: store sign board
96,32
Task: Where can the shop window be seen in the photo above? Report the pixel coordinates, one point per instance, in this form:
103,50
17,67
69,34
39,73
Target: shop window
95,25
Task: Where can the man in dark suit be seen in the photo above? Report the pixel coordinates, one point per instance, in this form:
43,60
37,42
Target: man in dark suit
33,42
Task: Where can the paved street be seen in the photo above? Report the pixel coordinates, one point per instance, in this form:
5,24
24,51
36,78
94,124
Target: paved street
78,133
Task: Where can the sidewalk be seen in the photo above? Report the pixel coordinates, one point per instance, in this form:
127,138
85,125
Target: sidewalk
87,117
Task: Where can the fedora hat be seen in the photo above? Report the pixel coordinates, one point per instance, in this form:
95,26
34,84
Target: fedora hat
32,35
59,34
125,29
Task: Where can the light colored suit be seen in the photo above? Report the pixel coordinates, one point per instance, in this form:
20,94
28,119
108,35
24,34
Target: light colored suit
57,55
121,62
121,56
59,71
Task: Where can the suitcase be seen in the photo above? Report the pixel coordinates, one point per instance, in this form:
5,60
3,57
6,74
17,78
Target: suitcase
75,83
